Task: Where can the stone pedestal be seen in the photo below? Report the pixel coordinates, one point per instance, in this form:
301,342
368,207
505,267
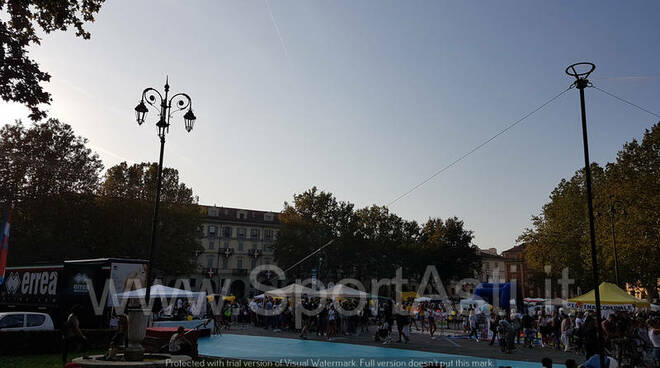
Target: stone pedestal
137,329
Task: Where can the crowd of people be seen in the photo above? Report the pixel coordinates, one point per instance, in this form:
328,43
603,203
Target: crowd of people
633,338
628,337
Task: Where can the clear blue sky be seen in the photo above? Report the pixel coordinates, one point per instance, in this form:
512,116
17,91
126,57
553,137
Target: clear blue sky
363,98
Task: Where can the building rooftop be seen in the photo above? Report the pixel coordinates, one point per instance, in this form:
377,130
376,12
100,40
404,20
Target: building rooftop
516,249
241,215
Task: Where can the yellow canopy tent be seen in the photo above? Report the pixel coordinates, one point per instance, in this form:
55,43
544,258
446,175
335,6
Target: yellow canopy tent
405,295
227,298
610,294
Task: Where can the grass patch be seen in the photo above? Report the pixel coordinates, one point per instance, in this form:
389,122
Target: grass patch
39,360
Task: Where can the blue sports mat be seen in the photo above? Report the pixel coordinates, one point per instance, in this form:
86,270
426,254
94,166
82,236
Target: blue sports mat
323,354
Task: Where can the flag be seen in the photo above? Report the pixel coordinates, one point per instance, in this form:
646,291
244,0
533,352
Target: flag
4,245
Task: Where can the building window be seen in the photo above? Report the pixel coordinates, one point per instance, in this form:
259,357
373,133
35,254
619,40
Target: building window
212,230
240,246
226,232
268,217
268,247
239,262
254,233
241,233
211,244
254,245
213,211
226,244
225,262
268,234
209,261
514,268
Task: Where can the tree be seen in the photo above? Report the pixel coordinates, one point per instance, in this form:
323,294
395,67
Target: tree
45,160
138,182
315,218
385,240
20,76
448,246
63,211
50,175
634,181
126,200
370,242
560,237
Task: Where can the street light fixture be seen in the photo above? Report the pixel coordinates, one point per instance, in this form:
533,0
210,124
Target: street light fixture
155,99
141,112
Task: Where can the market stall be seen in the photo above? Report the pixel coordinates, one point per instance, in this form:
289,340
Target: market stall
612,298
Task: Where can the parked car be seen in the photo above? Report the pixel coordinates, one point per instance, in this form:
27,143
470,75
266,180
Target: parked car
16,321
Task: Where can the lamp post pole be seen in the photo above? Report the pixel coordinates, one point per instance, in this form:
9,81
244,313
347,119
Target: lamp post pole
154,98
616,257
581,83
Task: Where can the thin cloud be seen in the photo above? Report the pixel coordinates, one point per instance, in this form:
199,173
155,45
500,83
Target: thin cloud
96,147
277,29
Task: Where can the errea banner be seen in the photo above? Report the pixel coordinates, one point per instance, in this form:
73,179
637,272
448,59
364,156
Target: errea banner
31,285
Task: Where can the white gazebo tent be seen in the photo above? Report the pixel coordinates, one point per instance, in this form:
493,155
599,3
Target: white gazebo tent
170,294
161,291
343,291
290,291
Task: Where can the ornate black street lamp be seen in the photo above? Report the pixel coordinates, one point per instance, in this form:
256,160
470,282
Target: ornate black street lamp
163,104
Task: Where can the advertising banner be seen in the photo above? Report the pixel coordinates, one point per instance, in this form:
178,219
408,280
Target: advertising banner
37,286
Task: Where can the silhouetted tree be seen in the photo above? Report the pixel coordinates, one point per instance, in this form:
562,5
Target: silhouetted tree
560,237
20,76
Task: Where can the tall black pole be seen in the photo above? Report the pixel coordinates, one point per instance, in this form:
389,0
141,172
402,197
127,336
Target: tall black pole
154,225
162,126
616,258
581,83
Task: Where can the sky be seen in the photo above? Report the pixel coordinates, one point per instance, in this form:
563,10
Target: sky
365,99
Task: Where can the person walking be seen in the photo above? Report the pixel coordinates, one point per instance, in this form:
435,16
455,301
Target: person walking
431,313
565,328
332,322
72,334
494,323
473,325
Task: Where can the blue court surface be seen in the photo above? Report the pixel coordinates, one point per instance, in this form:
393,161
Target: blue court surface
322,354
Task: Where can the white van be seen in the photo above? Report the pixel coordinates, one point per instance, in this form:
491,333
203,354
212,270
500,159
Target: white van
17,321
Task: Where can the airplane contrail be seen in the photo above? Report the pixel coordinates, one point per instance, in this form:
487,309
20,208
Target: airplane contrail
277,29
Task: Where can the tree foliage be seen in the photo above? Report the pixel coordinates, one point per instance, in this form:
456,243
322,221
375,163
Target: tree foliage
45,160
560,234
21,76
64,209
127,196
368,243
